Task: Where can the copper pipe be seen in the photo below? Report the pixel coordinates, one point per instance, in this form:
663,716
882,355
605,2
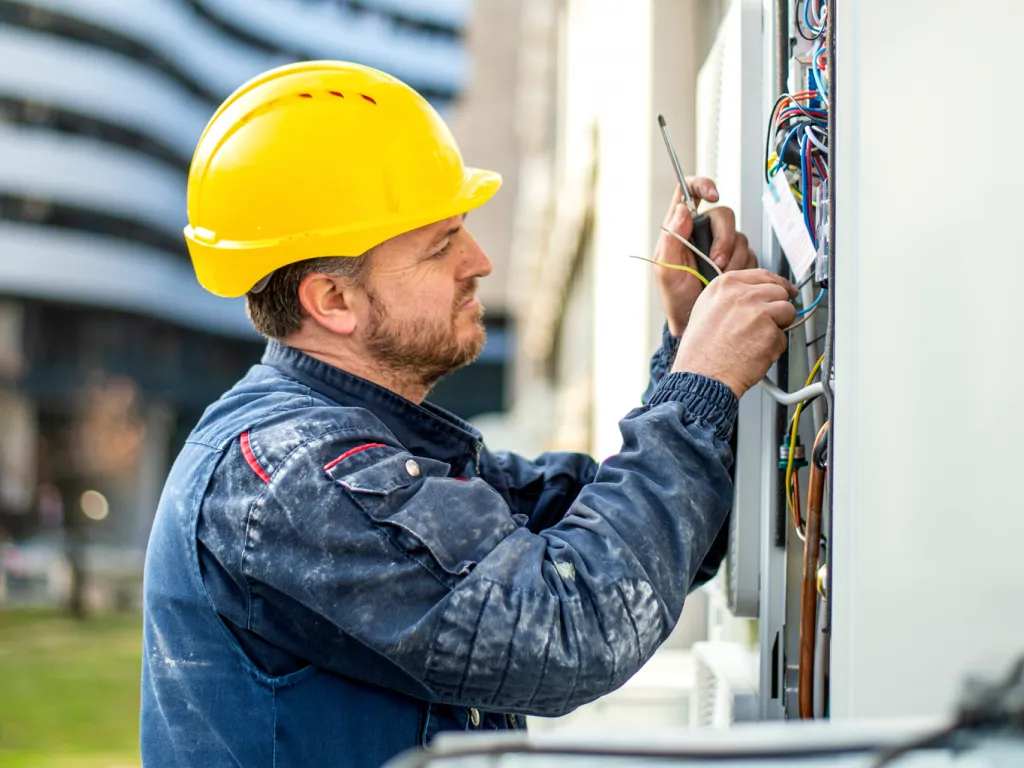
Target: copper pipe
798,524
809,591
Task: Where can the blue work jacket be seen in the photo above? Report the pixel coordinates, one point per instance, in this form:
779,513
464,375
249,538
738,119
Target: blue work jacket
336,574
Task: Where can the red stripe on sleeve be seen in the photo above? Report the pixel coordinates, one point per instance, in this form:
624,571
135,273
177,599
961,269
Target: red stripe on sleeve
250,459
346,454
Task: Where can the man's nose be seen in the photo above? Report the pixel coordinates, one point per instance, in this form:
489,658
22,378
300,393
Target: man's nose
476,262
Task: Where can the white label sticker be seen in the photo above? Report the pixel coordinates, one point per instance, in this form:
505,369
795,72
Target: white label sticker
788,223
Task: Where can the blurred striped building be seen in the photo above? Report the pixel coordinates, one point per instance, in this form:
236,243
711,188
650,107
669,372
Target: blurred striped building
109,349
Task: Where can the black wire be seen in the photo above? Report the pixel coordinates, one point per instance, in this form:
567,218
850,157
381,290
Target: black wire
930,741
820,453
807,117
985,709
791,136
808,121
799,31
768,136
817,339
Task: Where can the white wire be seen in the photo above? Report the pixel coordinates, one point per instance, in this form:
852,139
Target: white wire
790,398
695,249
815,141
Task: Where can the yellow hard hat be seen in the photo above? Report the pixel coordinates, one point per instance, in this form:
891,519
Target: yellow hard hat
319,158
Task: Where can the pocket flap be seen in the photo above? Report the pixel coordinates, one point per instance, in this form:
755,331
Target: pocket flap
456,523
399,470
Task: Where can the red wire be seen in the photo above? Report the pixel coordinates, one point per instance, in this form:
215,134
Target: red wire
789,113
819,166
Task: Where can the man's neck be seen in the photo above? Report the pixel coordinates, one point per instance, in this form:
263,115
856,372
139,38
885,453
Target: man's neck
363,368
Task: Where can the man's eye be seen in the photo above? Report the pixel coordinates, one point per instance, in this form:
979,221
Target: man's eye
443,251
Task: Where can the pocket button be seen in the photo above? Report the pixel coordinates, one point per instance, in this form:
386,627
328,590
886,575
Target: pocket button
412,468
474,717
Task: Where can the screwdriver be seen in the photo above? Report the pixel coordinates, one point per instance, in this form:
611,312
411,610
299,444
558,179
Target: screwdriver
700,237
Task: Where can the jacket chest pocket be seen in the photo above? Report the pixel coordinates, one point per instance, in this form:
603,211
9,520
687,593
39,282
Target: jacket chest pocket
446,524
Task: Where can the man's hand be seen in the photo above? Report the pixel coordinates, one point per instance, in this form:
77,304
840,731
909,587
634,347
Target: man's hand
730,250
735,332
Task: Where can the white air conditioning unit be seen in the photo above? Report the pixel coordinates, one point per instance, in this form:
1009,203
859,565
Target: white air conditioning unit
725,688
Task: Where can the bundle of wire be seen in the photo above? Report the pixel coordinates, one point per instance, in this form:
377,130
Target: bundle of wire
801,119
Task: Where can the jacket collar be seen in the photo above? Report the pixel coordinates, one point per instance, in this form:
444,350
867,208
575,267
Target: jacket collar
424,430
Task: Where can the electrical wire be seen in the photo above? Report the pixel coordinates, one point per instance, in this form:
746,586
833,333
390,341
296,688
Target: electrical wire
806,184
680,267
814,139
782,148
814,115
996,707
782,100
820,453
817,26
798,523
695,249
782,397
816,76
830,241
800,321
814,31
794,431
813,306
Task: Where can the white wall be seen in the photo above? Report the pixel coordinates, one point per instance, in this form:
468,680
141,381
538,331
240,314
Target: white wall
929,520
647,64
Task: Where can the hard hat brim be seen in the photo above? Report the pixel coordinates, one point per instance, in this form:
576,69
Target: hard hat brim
218,272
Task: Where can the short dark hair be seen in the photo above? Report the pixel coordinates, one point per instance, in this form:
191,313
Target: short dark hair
276,311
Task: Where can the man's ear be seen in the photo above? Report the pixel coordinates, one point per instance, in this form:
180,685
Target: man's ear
330,302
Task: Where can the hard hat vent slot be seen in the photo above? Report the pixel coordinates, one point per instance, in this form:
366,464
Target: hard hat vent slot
335,93
368,98
306,95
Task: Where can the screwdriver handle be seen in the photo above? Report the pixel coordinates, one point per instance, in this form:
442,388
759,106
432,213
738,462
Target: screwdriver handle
702,239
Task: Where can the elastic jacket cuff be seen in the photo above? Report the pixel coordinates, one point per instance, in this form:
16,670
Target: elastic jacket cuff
703,398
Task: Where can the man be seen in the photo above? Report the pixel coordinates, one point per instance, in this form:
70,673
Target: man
339,570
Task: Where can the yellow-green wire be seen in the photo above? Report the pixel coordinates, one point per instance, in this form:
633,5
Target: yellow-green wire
693,272
799,408
792,436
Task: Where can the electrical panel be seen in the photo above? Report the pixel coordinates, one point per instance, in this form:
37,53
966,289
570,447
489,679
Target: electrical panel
763,134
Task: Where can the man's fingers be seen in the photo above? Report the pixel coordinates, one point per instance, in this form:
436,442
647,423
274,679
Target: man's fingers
781,342
782,312
762,276
767,293
677,198
723,235
702,188
681,223
741,254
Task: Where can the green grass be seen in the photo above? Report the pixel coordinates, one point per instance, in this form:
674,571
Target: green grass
69,690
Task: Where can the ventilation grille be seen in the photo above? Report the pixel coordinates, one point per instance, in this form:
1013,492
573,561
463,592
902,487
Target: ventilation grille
725,689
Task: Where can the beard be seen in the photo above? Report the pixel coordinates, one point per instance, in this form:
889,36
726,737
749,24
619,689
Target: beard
428,352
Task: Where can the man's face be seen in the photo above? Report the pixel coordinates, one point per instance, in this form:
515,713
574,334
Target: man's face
424,320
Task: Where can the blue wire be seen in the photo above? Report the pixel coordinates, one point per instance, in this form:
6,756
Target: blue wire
805,189
816,302
807,19
782,148
819,84
816,115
